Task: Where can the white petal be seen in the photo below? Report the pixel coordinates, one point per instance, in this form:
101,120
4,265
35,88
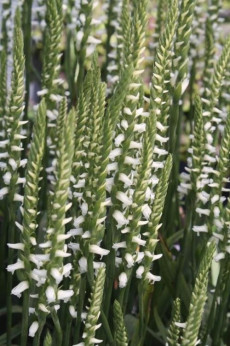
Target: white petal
122,280
33,329
21,287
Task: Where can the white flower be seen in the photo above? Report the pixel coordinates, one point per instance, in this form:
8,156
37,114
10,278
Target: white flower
82,264
119,139
7,178
152,278
121,196
129,259
135,145
119,245
16,246
159,151
114,153
94,340
84,208
3,192
132,161
214,199
122,280
199,229
125,179
157,164
202,211
50,294
140,256
72,311
78,221
146,211
98,250
42,92
140,127
138,240
21,287
33,329
65,295
56,275
180,324
219,257
120,218
18,265
60,253
67,269
139,272
13,164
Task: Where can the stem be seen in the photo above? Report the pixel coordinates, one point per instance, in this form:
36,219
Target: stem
11,237
37,337
27,9
58,330
107,328
110,31
25,318
80,308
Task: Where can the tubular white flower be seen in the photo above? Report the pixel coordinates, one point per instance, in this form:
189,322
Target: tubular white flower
199,229
7,178
3,192
121,196
16,246
125,179
72,312
138,240
146,211
203,211
114,153
98,250
130,260
21,287
66,270
139,272
180,324
60,253
119,139
33,329
18,265
50,294
152,278
83,265
122,280
56,275
120,218
132,161
65,295
121,245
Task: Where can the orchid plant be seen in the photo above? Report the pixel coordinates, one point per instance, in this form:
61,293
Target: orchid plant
114,173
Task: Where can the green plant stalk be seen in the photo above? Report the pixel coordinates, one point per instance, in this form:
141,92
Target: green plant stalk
221,310
37,338
110,31
58,329
11,239
81,299
25,318
27,11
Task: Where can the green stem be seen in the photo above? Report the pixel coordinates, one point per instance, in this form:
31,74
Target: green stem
58,330
25,318
27,11
11,236
80,308
107,328
37,338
